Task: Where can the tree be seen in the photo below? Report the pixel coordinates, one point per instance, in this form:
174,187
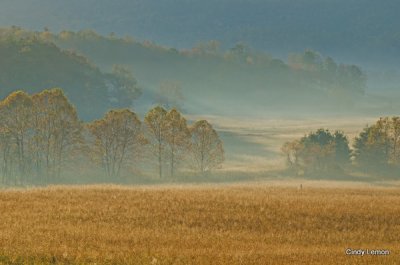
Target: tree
319,151
207,48
15,118
291,150
34,60
366,151
342,149
117,139
308,61
177,138
57,132
343,82
395,126
206,147
157,128
170,95
122,87
6,147
377,146
38,134
353,79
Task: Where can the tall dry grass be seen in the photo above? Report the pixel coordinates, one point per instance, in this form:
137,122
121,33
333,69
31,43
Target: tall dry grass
198,225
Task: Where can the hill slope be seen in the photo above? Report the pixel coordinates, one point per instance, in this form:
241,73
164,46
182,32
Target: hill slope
362,31
239,81
32,65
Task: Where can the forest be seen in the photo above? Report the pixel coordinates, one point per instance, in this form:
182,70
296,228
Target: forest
122,72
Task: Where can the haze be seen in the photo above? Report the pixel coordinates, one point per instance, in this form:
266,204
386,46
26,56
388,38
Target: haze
263,72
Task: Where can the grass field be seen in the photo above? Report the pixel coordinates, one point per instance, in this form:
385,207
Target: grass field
226,224
254,144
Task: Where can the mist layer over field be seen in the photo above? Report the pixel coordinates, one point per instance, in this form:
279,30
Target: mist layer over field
199,132
258,97
254,144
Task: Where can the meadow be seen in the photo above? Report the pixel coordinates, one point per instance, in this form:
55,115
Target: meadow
254,144
259,223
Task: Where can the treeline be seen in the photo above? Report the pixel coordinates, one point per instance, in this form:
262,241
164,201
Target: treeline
341,27
308,69
31,62
376,150
42,138
304,78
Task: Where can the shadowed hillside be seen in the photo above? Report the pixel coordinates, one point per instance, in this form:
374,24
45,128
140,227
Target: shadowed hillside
246,80
357,31
29,63
211,80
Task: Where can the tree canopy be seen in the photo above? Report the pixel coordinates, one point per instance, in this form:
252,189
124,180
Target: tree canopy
318,152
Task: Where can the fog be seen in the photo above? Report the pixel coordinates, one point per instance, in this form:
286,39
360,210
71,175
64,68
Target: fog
260,82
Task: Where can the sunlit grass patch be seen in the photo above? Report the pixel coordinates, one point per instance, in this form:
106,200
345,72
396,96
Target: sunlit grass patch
223,224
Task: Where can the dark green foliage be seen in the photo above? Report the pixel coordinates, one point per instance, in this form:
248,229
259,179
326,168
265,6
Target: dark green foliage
365,31
366,152
306,78
342,149
122,87
30,62
318,152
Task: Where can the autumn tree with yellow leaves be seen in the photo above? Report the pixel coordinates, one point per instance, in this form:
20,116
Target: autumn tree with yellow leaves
57,133
378,146
116,140
177,139
42,138
15,118
157,127
39,134
206,147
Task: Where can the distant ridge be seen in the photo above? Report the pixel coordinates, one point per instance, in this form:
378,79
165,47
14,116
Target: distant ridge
362,31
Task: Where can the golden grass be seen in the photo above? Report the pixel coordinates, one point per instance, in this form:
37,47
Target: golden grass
198,225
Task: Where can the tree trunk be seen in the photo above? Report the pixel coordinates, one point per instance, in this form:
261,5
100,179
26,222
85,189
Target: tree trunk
159,160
